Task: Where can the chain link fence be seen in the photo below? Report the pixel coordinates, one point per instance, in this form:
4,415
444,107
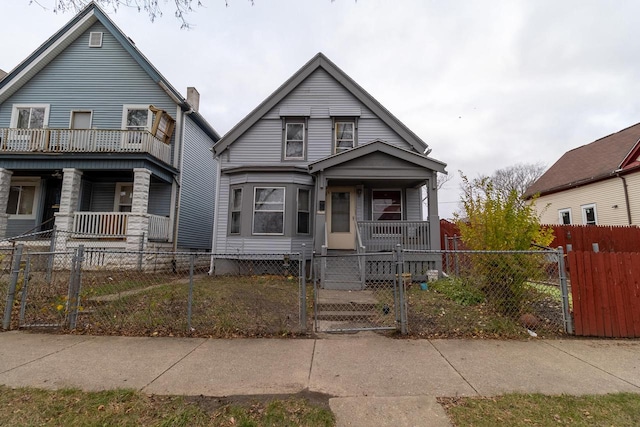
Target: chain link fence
490,293
422,293
101,291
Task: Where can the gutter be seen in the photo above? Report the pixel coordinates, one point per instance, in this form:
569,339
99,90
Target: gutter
626,194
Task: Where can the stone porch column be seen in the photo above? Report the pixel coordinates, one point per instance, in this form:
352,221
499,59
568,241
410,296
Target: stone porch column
69,198
5,185
138,223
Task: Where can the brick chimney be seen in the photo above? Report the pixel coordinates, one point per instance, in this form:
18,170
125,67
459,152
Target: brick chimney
193,98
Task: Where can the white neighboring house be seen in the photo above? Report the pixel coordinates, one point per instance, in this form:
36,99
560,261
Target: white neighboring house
595,184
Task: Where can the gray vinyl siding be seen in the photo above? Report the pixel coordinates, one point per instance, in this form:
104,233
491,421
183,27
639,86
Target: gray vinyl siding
98,79
103,196
197,187
159,199
320,94
413,204
15,227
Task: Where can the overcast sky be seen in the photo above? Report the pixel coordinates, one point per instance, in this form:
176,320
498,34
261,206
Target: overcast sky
486,84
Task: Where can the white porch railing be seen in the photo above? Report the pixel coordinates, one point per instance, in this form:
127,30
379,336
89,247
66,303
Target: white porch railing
159,227
100,224
379,236
114,225
83,141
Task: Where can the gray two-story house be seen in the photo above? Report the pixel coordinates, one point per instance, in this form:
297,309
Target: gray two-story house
95,142
320,162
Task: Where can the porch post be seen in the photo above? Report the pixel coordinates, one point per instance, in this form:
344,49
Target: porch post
320,222
69,198
138,223
5,185
434,219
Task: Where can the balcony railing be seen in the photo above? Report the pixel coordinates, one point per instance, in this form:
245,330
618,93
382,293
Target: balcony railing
83,141
382,236
113,225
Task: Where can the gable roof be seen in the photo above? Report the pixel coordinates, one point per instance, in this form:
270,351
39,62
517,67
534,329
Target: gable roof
53,46
598,160
377,146
320,61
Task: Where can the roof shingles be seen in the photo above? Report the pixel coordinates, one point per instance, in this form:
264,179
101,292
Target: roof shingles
588,163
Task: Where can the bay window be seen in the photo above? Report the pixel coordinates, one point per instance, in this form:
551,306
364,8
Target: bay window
268,210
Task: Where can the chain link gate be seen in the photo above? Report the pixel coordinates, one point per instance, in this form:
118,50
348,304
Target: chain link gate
359,291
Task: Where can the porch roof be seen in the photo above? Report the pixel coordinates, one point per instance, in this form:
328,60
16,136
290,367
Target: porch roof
369,149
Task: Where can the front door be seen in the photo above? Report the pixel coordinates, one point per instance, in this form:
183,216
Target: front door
53,189
341,217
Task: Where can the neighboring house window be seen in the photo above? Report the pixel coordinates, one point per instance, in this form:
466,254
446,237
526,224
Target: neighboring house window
294,137
386,205
344,135
30,116
589,216
136,117
268,210
304,203
23,197
236,209
564,215
124,197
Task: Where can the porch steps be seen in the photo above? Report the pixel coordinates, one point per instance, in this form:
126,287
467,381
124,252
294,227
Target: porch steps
342,272
346,306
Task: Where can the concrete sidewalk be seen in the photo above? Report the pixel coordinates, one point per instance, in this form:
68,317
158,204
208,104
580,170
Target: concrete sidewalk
391,381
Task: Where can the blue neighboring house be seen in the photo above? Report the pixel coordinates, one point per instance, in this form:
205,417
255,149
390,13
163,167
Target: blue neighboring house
95,142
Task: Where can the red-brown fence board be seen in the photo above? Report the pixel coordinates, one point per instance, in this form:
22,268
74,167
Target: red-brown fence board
608,238
606,293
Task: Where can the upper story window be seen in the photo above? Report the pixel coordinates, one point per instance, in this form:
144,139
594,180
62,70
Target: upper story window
344,134
589,215
35,116
304,206
147,118
386,205
564,216
294,139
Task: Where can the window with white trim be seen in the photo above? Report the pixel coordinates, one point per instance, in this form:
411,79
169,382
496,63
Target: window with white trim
589,215
124,197
136,117
386,205
30,116
304,203
23,198
268,210
344,135
236,211
564,216
294,137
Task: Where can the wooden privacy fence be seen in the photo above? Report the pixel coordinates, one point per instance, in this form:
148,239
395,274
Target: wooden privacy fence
608,238
605,288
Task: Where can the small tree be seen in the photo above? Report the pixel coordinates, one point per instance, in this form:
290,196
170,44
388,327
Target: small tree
496,221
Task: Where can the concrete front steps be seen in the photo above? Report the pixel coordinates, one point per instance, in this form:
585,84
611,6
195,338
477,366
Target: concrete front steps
344,310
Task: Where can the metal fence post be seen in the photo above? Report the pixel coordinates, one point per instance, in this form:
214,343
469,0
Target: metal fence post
566,313
400,270
52,249
455,257
74,287
25,286
13,281
303,288
140,251
190,301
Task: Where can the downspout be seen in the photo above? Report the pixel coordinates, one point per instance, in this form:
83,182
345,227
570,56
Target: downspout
179,181
626,195
214,239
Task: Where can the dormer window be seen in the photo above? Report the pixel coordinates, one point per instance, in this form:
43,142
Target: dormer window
344,134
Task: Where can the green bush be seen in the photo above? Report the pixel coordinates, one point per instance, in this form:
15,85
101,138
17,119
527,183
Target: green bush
462,292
